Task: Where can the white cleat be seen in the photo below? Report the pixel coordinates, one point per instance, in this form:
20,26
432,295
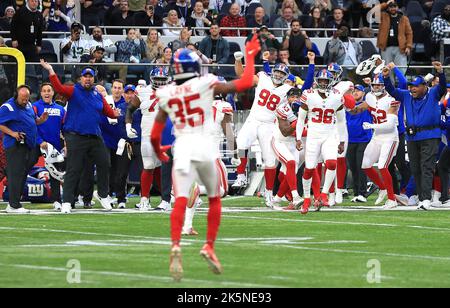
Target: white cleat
268,198
241,181
332,199
21,210
381,196
424,205
104,202
339,196
122,206
66,208
57,206
298,201
440,205
359,199
164,206
144,205
390,204
435,196
402,199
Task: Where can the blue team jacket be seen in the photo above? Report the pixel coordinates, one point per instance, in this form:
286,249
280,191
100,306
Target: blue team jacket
50,130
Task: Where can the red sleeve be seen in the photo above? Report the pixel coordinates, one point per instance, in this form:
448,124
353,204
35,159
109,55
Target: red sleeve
107,110
349,101
66,91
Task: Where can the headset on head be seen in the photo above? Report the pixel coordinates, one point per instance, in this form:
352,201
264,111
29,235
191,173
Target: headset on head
16,93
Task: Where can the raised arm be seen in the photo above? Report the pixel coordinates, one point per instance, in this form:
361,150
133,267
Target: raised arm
309,81
396,93
442,80
66,91
402,82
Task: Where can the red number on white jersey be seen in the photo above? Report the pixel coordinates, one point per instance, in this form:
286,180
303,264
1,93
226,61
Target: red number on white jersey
378,115
324,116
269,100
195,116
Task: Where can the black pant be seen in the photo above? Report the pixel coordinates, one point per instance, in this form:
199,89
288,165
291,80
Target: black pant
19,160
166,178
55,185
422,158
123,168
444,169
399,161
78,148
355,155
86,184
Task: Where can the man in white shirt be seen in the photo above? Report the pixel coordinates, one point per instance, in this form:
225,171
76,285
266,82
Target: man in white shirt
106,43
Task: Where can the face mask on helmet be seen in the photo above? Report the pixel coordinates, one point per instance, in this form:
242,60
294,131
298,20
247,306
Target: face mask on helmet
159,81
323,85
279,77
377,89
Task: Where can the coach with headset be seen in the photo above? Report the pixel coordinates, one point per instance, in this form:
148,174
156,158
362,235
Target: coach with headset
18,122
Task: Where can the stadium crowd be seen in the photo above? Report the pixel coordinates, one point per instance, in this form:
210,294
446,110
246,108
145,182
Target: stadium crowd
110,138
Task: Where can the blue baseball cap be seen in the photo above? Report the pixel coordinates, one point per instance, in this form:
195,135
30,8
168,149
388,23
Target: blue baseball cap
360,88
417,81
88,70
129,87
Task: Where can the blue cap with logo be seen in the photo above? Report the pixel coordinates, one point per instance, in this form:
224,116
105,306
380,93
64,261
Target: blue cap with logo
360,88
129,87
417,81
88,70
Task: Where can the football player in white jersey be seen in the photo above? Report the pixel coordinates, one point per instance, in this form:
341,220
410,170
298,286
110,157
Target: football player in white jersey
147,103
324,107
188,103
284,146
383,146
260,124
223,119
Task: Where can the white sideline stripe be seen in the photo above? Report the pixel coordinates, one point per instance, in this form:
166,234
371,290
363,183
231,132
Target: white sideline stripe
373,253
341,223
139,276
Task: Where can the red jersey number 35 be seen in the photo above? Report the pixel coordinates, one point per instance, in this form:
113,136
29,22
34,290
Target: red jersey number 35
185,114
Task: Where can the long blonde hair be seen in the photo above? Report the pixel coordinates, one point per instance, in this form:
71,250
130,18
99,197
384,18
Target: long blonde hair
297,12
153,50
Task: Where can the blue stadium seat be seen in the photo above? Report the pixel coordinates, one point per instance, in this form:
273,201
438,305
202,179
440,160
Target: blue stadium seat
415,12
437,8
368,49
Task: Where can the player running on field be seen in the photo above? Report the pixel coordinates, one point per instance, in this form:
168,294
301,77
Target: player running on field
188,103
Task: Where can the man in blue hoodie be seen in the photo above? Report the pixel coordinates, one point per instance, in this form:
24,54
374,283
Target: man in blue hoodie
423,115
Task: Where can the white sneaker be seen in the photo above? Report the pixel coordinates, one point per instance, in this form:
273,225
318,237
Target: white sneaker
80,202
241,181
332,199
359,199
276,201
390,204
164,206
122,205
381,196
268,198
66,208
339,196
21,210
144,203
413,200
424,205
441,205
57,206
402,199
435,196
104,202
298,201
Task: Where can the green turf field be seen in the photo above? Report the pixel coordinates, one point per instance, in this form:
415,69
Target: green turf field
257,249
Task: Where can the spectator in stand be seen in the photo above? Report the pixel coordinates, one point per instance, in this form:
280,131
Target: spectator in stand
166,57
131,50
90,12
273,56
26,31
4,4
296,40
260,19
317,21
73,47
5,21
106,43
154,48
83,135
157,6
216,5
338,19
267,41
199,19
215,47
95,56
60,17
18,123
50,132
182,8
120,16
284,21
440,24
183,40
343,49
395,36
293,5
147,18
285,57
233,20
172,24
204,59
